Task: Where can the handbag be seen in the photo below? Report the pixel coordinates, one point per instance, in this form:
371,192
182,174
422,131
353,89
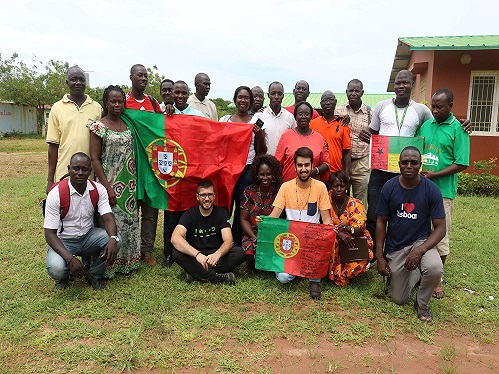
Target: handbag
358,253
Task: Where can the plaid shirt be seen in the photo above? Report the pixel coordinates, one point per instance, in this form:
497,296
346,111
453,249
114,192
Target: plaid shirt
358,121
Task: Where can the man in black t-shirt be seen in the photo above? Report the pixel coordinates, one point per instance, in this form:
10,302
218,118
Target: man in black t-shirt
202,240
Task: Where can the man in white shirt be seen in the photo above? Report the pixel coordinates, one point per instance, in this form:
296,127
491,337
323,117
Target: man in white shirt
276,119
72,233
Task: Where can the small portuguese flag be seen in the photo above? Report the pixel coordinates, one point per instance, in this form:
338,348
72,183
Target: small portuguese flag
173,153
385,150
297,248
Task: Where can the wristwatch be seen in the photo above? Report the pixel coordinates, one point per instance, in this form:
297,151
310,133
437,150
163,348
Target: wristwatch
115,237
352,230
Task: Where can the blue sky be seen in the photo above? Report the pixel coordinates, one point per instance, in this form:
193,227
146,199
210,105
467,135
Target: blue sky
236,43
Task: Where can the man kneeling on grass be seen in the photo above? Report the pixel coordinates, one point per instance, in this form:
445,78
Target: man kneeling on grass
70,232
410,204
202,240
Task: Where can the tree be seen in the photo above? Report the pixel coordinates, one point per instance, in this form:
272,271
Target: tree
224,107
45,83
33,85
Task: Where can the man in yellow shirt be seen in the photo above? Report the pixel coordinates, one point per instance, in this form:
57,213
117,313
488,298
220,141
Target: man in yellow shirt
67,132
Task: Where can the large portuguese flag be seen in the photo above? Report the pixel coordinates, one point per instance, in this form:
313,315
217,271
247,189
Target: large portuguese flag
173,153
385,150
298,248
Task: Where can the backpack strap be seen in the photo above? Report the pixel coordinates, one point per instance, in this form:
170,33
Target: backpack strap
153,102
63,197
94,195
368,114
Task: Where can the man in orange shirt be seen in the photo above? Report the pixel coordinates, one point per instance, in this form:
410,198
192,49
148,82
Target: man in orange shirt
337,136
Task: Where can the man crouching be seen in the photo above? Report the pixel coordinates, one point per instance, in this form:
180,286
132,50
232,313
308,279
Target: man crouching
70,231
410,204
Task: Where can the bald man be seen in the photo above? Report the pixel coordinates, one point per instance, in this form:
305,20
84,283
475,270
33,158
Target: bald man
198,99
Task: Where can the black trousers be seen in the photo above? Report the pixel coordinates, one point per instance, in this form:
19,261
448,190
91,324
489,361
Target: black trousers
170,222
227,263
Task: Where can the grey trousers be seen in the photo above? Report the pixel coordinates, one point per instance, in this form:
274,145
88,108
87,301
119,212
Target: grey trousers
430,272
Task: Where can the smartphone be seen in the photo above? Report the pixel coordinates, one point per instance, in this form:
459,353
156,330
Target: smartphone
259,123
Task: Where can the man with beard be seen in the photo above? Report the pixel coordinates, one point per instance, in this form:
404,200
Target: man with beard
198,99
337,136
276,119
410,204
303,199
202,241
301,93
136,99
360,116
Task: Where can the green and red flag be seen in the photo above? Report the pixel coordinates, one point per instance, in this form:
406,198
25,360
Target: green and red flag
297,248
173,153
385,150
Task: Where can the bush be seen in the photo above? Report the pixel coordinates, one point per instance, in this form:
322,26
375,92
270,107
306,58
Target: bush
478,184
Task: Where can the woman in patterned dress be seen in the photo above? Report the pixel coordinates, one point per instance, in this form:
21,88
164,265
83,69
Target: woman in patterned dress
111,150
349,217
265,173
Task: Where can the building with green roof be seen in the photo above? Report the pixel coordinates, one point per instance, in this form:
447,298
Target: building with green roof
467,65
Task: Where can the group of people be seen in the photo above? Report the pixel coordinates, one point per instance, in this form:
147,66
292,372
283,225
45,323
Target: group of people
301,165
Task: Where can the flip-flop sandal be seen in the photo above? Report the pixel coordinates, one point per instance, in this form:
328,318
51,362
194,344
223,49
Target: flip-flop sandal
423,314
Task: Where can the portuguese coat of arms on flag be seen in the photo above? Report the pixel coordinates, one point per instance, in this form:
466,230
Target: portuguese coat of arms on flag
173,153
385,150
297,248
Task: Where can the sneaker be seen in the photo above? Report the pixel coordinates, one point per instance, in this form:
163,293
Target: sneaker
227,278
315,290
96,284
61,284
188,278
148,259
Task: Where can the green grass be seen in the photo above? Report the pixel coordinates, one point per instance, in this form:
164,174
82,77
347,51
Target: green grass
153,319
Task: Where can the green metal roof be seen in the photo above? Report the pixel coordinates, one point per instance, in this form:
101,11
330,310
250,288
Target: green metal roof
446,43
315,99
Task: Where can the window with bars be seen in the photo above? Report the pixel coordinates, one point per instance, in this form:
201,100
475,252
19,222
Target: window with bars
483,106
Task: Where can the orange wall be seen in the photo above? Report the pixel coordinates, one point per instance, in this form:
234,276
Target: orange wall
446,71
484,148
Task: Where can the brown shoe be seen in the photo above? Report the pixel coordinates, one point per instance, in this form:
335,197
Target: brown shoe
148,259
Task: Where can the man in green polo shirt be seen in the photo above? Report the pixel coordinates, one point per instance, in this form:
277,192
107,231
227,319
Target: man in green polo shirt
446,153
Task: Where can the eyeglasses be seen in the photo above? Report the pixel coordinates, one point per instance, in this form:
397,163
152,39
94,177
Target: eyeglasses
407,162
205,195
328,101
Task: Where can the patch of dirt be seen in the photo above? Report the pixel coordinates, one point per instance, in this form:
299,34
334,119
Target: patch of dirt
13,165
405,354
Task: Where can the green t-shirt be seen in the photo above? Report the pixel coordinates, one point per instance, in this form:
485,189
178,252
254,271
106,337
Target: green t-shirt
445,144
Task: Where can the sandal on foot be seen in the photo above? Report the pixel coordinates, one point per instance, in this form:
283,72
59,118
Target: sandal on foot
423,314
438,293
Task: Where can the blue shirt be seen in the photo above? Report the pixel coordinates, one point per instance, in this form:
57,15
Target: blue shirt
409,211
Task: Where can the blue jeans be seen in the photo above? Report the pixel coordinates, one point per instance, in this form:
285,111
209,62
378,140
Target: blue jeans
377,180
286,278
92,243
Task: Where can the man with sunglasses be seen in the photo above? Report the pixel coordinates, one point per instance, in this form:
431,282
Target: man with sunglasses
406,250
202,240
